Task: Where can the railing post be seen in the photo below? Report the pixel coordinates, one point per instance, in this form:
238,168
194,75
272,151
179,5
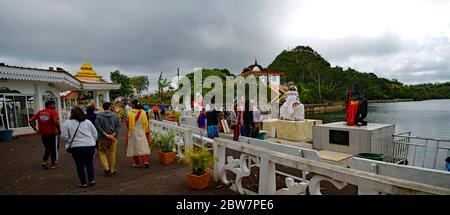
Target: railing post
429,156
188,140
219,155
267,177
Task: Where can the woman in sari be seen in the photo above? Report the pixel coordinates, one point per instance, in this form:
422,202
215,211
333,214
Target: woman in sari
138,135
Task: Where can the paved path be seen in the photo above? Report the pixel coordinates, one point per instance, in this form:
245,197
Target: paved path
21,173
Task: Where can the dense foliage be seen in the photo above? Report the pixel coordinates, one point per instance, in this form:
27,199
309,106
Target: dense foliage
125,85
140,83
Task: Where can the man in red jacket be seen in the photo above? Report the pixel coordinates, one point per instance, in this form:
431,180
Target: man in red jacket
49,129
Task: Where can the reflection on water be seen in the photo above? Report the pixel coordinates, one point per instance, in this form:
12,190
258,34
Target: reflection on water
423,118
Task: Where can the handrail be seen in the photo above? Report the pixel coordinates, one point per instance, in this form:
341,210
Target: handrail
367,181
421,138
266,158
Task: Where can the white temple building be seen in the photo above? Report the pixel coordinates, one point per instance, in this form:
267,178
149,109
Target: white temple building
24,91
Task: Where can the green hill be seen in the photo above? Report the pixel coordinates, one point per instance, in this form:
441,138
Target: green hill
319,82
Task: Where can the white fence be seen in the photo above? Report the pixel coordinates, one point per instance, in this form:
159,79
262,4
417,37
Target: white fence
367,183
249,154
422,152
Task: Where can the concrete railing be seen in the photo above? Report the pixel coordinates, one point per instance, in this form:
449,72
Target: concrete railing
412,173
183,136
253,153
367,183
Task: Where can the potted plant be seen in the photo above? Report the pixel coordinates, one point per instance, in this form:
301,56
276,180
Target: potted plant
199,159
166,142
5,134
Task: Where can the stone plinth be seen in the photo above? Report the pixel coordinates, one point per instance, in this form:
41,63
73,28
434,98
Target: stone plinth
339,137
299,131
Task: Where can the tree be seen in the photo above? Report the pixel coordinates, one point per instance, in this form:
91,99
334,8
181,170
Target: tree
140,83
125,86
162,83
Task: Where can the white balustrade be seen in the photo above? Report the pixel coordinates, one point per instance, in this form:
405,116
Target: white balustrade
253,153
183,136
367,183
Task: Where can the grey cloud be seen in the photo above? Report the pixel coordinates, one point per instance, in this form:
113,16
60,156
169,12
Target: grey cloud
150,34
340,49
147,37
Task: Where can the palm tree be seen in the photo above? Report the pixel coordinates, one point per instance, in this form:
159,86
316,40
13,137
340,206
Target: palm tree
162,83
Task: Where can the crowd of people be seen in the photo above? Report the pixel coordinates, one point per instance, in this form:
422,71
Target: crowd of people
157,112
245,120
89,132
86,133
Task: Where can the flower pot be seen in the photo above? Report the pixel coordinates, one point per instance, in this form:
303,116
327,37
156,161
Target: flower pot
6,135
167,157
198,182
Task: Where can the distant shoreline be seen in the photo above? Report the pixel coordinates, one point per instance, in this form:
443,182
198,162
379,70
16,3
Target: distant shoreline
391,100
339,106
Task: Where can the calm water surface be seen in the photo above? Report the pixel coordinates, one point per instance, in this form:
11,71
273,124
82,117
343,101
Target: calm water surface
423,118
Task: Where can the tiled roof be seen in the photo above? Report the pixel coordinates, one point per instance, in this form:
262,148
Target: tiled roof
60,75
50,69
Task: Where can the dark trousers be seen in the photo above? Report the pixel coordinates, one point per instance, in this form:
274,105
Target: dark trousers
83,157
51,147
246,130
236,132
156,115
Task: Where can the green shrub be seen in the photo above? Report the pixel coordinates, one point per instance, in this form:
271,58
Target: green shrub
199,159
166,142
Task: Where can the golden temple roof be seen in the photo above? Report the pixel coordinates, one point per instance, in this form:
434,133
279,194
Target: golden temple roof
88,74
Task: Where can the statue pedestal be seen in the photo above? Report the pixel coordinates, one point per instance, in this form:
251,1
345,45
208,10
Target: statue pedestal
297,131
339,137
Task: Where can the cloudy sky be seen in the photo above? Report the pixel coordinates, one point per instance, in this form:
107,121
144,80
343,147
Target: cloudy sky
396,39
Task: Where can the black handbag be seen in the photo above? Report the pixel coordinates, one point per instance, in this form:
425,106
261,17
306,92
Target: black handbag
70,149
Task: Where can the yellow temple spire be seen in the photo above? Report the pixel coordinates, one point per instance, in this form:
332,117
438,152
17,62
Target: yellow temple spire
88,74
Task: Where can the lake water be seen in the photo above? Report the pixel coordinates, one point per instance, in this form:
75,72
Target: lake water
423,118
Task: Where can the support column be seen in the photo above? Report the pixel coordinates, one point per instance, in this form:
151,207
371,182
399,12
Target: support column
58,108
267,176
219,153
38,97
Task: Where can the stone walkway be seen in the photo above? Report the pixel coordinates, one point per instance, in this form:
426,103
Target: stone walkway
21,173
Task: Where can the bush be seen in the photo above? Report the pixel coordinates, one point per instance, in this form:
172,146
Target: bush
166,142
199,159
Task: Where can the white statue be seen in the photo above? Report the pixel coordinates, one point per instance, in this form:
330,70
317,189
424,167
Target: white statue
198,102
292,109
